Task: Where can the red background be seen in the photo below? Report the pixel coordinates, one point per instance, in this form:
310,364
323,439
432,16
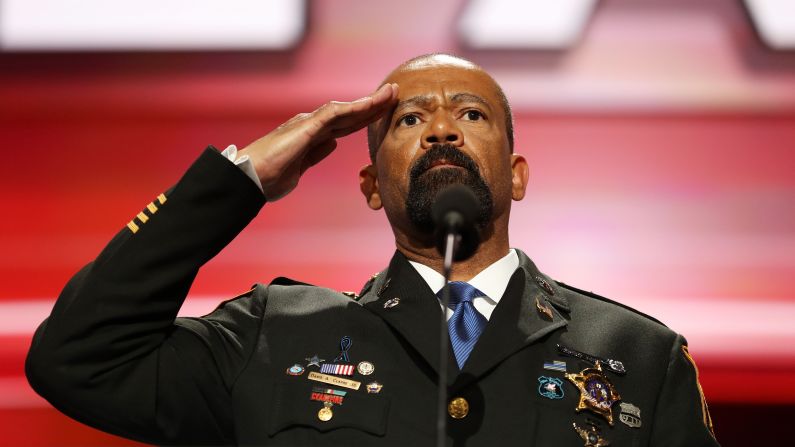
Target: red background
661,176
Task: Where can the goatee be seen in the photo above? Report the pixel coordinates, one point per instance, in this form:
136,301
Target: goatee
425,184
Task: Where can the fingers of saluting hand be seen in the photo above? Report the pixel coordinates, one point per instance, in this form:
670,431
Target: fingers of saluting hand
337,119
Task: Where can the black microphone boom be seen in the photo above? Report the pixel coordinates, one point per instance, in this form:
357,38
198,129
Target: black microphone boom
455,211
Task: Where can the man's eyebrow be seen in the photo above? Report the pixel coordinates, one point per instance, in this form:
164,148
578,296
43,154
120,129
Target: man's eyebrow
468,97
424,101
414,101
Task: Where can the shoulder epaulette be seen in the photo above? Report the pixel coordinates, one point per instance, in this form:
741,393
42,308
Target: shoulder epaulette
608,300
284,281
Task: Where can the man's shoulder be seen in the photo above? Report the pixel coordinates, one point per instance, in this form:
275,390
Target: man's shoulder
302,295
591,313
588,298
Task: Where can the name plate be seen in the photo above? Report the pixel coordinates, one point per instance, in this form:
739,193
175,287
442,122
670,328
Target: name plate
331,380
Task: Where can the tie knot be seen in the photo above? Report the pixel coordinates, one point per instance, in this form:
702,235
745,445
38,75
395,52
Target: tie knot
461,292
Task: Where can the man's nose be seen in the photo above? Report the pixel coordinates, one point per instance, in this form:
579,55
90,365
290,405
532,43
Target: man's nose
442,129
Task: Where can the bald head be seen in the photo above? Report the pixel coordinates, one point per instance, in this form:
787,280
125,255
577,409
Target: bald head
429,62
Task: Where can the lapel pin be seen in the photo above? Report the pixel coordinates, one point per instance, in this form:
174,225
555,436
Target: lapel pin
543,309
391,303
383,287
374,387
544,285
345,345
314,361
295,370
630,415
365,368
591,436
550,387
352,295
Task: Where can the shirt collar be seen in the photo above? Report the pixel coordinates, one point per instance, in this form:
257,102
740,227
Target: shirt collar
492,280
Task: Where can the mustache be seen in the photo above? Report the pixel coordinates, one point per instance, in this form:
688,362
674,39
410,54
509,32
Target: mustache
446,152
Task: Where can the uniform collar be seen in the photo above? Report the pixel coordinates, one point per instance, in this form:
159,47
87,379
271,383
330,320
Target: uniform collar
492,281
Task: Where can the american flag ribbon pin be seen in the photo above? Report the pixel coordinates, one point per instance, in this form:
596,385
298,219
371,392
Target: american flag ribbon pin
338,369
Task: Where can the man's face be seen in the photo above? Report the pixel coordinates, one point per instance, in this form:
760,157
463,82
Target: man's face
448,127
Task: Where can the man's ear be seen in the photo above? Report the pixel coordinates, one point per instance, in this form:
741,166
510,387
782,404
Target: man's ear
368,184
520,175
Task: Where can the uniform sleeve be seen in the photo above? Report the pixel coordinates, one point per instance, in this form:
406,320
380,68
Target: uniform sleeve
112,353
682,417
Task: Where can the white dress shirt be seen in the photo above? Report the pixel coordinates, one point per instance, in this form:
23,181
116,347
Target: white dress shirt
492,281
243,163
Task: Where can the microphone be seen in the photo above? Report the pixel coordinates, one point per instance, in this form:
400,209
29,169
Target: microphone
454,212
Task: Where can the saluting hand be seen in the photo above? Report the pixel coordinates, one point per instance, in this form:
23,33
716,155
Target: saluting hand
283,155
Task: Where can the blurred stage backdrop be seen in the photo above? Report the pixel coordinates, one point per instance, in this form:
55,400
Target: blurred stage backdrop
660,135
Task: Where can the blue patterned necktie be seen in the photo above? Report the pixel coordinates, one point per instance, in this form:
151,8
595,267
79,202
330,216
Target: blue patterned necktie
467,323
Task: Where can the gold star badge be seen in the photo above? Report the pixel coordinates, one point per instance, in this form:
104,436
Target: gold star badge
597,394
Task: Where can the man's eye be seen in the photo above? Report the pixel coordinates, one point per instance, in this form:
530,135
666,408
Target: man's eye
474,115
408,120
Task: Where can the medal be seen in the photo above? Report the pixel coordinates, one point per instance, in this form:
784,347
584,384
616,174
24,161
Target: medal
597,394
325,414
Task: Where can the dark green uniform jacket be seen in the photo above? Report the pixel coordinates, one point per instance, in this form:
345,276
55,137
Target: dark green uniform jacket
113,355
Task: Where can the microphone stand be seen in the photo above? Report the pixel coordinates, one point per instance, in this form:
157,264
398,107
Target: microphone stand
444,341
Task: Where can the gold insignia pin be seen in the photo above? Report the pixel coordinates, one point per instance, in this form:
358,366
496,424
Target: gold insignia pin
352,295
597,394
591,436
543,309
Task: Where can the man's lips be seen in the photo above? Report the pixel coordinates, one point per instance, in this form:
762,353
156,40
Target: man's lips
442,163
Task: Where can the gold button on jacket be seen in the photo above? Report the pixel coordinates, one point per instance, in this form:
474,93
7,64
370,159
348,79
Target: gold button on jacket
458,408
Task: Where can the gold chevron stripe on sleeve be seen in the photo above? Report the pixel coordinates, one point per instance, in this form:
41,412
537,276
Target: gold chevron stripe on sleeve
152,207
142,217
161,198
133,226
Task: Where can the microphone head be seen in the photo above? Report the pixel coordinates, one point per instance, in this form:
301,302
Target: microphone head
455,210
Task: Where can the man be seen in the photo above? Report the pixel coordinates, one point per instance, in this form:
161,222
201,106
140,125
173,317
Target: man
533,362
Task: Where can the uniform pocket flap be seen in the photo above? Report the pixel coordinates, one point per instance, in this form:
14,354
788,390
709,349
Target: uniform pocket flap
294,408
